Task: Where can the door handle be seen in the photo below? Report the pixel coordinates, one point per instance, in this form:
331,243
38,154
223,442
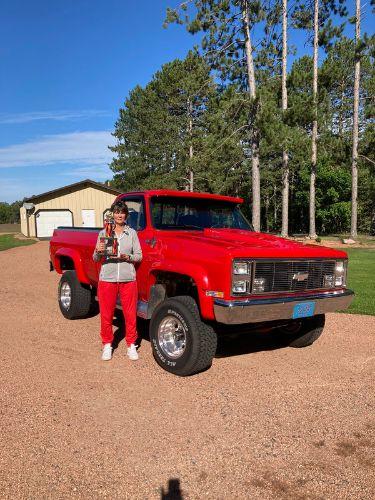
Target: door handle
151,242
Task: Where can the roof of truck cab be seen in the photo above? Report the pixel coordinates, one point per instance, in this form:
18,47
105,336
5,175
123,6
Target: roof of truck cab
183,194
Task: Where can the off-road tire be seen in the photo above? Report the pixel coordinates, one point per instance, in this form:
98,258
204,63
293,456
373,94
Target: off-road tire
81,297
201,339
303,332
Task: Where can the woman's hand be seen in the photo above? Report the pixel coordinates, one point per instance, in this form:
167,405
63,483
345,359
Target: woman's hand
125,257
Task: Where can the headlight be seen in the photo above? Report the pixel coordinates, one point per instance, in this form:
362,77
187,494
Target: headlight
241,276
240,267
241,286
340,273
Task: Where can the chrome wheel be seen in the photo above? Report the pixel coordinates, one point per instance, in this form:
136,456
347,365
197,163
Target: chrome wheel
172,337
65,295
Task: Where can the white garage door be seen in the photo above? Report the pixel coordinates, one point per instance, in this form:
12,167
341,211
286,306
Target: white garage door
47,221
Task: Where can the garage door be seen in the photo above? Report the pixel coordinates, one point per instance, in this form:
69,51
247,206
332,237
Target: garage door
47,221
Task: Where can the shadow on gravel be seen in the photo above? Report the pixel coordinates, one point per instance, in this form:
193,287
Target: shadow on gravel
231,341
119,330
246,342
94,309
174,491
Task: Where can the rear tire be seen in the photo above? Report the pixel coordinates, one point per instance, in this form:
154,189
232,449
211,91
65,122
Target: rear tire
303,332
181,343
75,299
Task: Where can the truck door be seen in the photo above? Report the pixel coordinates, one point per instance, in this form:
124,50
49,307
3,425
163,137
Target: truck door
137,221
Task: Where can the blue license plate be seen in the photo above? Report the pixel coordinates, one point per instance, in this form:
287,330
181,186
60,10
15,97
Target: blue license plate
303,310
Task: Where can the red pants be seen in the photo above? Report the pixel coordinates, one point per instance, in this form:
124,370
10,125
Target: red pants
107,295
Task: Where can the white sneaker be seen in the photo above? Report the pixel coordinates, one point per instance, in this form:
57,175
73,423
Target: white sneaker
107,352
132,352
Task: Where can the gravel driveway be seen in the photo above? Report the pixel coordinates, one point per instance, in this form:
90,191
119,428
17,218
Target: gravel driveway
262,423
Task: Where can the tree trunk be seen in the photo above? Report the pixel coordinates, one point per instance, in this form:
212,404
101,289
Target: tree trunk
342,110
314,135
284,105
190,172
353,228
255,173
266,210
274,206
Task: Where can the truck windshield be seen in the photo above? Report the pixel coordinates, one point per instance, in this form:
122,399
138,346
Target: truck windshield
196,213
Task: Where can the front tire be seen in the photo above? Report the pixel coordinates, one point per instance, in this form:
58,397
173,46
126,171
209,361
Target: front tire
75,299
303,332
181,342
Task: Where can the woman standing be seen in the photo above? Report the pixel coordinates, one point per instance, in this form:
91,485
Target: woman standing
118,278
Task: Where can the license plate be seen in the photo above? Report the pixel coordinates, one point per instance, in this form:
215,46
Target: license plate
303,310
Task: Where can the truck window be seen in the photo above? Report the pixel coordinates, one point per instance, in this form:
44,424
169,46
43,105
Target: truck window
193,213
136,219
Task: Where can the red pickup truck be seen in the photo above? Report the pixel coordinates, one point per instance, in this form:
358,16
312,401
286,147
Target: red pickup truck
203,265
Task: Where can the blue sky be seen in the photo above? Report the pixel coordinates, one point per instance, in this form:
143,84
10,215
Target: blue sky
65,69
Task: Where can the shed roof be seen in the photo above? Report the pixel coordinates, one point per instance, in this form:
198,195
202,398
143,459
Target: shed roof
75,186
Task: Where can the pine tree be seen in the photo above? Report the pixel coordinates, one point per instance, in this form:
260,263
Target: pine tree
353,226
323,30
229,50
161,127
284,105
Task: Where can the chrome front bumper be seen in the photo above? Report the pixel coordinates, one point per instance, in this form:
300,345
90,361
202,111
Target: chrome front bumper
236,312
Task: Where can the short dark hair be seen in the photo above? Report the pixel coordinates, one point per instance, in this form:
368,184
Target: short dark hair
120,206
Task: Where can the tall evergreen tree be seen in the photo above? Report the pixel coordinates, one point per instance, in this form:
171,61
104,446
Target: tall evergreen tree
314,134
226,157
284,105
315,16
229,49
161,127
353,225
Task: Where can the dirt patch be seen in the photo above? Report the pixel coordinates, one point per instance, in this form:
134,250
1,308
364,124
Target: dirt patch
336,243
21,236
345,449
262,423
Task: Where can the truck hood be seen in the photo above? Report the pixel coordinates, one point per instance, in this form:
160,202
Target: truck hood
240,243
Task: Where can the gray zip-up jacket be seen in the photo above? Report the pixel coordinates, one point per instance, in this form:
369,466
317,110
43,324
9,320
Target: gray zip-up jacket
113,269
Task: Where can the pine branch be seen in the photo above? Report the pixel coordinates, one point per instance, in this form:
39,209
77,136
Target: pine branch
368,159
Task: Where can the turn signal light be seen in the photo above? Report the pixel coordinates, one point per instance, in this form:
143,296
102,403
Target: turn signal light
214,293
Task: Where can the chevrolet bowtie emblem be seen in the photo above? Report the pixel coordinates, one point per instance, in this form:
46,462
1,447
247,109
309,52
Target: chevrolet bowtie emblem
300,276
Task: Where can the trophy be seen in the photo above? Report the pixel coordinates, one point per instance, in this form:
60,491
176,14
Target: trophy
109,240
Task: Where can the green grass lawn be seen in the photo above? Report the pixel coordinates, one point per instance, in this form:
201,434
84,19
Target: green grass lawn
9,241
361,279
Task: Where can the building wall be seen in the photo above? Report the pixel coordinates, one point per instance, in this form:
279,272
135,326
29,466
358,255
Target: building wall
76,200
23,221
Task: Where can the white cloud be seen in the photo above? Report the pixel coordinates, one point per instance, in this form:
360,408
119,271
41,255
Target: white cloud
78,148
93,172
10,118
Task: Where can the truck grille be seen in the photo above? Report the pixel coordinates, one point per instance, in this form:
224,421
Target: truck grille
289,276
